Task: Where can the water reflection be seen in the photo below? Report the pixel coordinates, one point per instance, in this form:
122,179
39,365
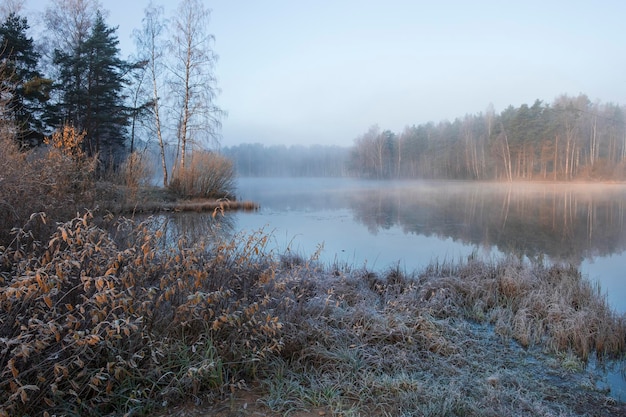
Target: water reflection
195,227
565,223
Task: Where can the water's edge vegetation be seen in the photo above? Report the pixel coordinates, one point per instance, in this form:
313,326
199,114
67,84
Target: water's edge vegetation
107,317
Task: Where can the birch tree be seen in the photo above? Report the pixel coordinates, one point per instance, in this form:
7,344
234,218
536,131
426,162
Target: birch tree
193,81
68,23
151,46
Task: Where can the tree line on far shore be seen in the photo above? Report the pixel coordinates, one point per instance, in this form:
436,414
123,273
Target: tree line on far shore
572,138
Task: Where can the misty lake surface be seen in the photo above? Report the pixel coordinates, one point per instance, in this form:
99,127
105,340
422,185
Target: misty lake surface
383,224
409,224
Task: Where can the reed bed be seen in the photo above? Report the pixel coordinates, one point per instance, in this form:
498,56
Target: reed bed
97,322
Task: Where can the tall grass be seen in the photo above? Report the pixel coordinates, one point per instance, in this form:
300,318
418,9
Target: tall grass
135,171
207,175
550,305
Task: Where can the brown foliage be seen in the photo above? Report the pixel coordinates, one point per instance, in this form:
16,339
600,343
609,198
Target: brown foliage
57,180
87,324
209,175
136,171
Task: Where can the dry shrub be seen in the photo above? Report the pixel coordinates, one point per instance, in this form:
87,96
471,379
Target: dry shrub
208,175
136,171
90,326
57,179
126,181
70,168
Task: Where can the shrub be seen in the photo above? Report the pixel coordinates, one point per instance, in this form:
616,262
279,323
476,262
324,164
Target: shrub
90,326
69,167
57,179
136,171
208,175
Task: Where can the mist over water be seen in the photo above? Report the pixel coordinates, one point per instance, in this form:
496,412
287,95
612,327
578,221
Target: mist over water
384,224
409,224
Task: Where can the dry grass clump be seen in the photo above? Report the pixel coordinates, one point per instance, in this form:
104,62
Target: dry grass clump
553,306
136,171
208,175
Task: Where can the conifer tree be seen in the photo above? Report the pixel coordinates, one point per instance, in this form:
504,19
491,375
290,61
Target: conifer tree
91,81
21,78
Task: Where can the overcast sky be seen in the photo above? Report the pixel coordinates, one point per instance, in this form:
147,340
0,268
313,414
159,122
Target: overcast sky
324,71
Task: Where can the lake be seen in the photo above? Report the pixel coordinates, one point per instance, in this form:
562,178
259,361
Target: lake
383,224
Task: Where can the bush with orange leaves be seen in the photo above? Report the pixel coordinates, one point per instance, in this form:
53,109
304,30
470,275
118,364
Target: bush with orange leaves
92,326
207,175
58,179
70,167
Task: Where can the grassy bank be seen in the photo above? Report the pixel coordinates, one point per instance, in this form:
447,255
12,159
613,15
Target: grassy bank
158,200
98,323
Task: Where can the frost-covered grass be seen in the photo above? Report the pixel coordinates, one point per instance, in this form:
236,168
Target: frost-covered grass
448,341
101,322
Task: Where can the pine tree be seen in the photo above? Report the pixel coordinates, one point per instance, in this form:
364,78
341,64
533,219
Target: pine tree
20,77
91,81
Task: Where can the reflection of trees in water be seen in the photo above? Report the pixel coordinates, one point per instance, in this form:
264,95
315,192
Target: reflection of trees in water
566,223
194,227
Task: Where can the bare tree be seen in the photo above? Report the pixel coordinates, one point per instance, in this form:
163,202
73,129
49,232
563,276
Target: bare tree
369,154
193,81
7,7
68,22
151,49
505,149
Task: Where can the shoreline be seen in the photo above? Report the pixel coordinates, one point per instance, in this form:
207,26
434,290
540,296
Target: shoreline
209,205
154,199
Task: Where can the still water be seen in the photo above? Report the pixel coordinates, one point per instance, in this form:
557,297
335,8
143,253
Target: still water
412,223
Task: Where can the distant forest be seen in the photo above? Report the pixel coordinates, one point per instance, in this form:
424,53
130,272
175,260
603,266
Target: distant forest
257,160
570,139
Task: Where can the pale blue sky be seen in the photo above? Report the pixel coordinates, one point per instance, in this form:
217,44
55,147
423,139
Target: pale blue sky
302,72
